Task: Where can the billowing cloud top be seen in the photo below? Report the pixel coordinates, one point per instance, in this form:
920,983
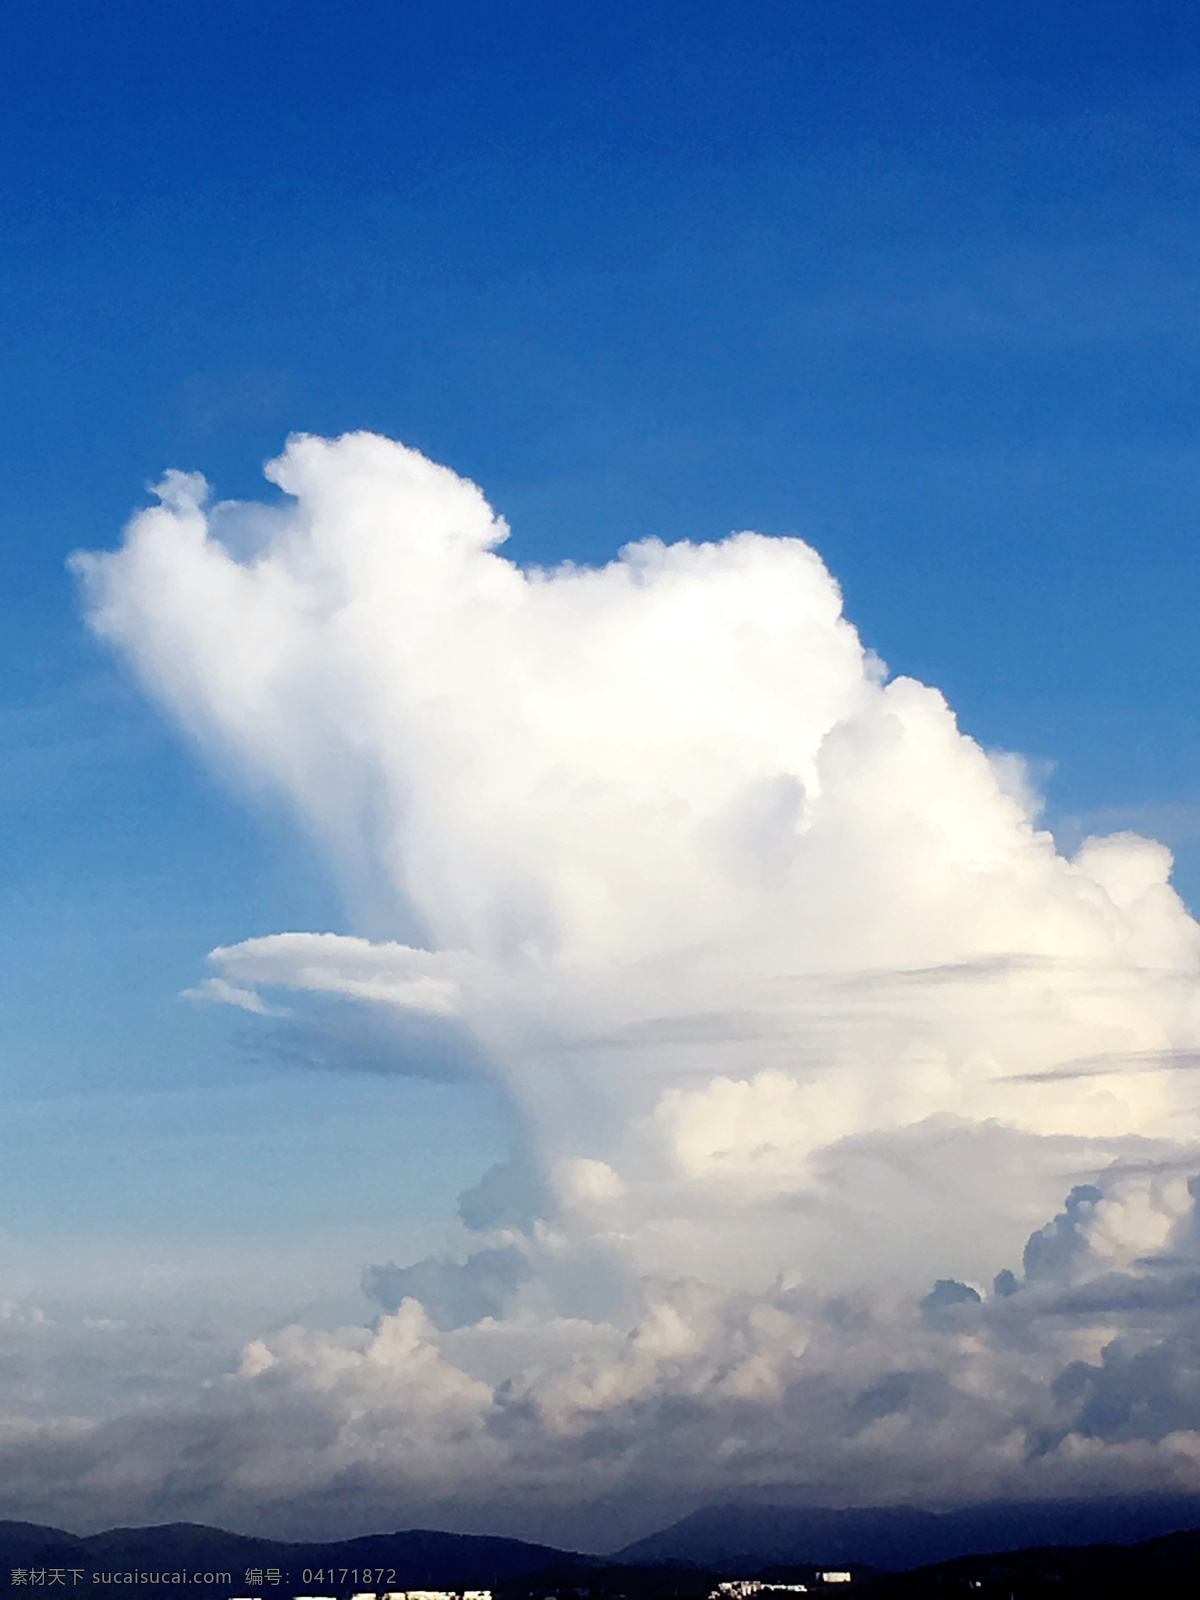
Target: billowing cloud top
790,992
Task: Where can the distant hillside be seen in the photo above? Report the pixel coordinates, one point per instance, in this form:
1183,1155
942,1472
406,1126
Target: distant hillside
896,1538
1166,1568
895,1552
414,1559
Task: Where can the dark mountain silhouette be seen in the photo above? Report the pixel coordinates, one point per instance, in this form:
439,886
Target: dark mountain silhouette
416,1558
894,1552
894,1538
1166,1568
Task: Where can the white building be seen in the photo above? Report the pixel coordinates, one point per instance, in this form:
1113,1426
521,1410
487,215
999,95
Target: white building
744,1588
432,1594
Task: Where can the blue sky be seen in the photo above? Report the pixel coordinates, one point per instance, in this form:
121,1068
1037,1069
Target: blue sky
919,283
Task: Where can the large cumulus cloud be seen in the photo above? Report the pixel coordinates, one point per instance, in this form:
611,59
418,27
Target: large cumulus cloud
800,1011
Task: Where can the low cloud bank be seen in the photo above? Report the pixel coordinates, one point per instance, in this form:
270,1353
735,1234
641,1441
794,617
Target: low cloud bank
808,1027
1077,1374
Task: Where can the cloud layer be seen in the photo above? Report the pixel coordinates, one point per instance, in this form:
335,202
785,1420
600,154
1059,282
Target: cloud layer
800,1012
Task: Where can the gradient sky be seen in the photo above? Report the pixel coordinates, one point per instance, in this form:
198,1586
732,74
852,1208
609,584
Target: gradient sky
919,283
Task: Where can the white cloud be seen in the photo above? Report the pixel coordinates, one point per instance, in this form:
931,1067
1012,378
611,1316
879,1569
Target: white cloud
418,980
221,992
785,982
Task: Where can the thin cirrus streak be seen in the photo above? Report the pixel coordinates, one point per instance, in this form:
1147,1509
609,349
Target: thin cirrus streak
791,995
